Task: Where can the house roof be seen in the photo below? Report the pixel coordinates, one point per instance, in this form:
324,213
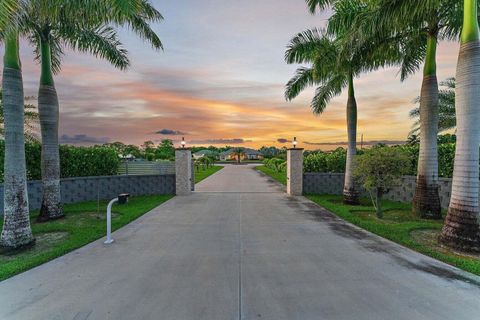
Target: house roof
247,151
203,152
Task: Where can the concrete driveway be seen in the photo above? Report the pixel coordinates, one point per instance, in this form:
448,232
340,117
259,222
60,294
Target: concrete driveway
239,248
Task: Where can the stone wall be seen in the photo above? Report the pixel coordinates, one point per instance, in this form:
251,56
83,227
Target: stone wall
332,183
106,187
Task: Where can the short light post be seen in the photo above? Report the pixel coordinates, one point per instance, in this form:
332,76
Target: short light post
121,199
295,169
183,170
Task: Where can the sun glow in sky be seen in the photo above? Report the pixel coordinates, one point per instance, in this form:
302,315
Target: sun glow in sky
220,81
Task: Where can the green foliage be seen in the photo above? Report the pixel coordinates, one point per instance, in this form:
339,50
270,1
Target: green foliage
88,161
74,161
165,150
379,170
276,164
320,161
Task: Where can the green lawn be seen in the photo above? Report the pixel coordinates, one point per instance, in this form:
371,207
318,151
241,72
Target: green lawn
81,226
279,176
399,225
201,173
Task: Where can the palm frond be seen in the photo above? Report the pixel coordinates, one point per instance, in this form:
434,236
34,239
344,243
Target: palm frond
99,41
321,5
326,91
307,45
303,78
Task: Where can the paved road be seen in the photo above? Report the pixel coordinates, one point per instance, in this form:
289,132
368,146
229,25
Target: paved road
239,248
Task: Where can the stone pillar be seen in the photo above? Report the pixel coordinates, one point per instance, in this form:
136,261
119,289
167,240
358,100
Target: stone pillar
295,171
183,171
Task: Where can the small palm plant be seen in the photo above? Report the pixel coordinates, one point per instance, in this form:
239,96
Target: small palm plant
238,153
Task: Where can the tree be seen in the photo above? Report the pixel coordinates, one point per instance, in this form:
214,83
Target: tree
165,150
461,229
16,232
334,66
238,153
420,26
30,124
51,25
446,108
380,169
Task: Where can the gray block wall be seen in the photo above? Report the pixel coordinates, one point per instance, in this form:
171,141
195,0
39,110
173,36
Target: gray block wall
107,187
332,183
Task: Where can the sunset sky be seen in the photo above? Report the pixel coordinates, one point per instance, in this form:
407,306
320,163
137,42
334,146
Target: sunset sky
220,81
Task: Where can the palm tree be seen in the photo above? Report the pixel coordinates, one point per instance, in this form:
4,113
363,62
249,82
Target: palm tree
16,232
31,120
238,153
461,229
446,108
334,67
420,25
50,26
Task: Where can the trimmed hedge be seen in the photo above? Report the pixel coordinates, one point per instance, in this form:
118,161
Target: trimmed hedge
319,161
74,161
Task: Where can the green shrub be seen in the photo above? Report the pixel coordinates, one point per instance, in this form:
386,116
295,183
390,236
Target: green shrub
379,170
319,161
74,161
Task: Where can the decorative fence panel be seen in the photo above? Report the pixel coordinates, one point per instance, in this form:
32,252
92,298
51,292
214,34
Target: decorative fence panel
146,167
105,187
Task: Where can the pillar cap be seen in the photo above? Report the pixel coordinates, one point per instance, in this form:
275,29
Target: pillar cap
185,149
291,149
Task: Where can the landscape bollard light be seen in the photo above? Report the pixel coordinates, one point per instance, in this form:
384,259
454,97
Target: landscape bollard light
121,199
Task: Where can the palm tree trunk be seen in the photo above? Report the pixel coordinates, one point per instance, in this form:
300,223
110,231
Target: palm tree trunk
16,232
461,229
426,201
48,110
350,193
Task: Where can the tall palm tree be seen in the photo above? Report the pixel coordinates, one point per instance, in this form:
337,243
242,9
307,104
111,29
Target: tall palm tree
16,232
461,230
446,108
333,67
50,26
420,25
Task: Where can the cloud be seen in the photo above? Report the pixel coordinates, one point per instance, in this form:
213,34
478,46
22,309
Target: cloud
82,139
170,132
365,143
220,141
282,140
